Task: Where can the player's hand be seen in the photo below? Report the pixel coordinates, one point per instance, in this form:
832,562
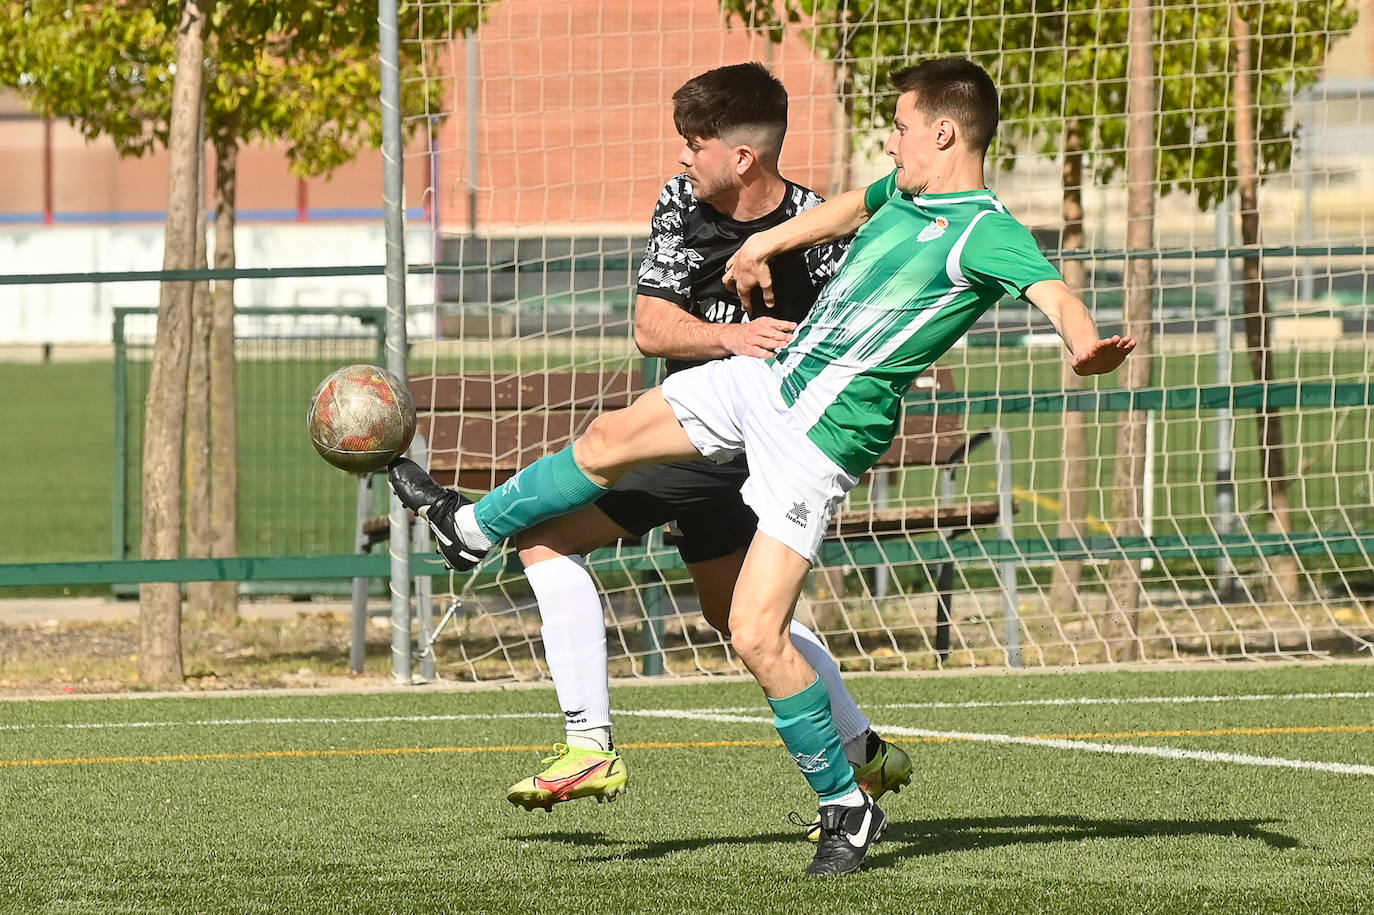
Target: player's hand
747,271
761,337
1103,356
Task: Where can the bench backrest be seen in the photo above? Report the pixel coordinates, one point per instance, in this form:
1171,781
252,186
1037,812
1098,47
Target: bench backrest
493,425
482,428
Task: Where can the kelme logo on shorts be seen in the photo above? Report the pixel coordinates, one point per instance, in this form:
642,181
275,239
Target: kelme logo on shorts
934,230
799,514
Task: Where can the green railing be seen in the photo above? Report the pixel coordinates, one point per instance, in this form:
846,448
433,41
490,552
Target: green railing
590,262
858,551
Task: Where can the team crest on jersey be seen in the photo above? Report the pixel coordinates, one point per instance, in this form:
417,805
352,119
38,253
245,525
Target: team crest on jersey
934,230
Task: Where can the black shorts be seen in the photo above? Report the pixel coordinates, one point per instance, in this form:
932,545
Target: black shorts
701,496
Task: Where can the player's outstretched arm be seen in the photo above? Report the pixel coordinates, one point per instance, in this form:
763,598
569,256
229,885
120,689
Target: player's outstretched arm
665,330
1089,354
837,218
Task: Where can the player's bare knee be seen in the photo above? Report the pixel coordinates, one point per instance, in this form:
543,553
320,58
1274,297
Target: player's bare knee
596,449
715,608
755,644
532,550
549,540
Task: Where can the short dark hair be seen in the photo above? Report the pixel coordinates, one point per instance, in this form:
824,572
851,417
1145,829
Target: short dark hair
957,89
727,99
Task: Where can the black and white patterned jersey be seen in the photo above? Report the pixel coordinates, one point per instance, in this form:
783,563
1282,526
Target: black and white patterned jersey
690,243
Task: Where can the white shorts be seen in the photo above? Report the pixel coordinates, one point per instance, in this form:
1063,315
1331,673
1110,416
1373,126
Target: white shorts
733,406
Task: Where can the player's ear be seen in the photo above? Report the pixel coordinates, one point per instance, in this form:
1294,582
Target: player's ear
946,132
745,158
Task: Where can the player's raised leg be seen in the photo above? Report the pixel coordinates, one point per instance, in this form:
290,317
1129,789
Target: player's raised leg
646,432
760,619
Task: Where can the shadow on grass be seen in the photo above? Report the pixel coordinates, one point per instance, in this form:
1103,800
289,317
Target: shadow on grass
624,850
921,838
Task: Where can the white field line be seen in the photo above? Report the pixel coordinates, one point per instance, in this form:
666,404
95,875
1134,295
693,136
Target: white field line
1058,743
743,710
1097,700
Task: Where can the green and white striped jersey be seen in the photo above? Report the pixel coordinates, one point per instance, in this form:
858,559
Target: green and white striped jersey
918,274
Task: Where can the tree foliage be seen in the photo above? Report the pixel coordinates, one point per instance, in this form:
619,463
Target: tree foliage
302,72
1057,61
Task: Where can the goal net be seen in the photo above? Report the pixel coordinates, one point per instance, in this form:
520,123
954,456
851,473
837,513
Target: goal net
1218,503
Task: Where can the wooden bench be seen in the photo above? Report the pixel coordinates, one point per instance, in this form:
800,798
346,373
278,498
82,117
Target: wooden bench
479,429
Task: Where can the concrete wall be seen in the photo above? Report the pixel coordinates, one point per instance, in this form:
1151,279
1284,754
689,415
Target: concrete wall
83,312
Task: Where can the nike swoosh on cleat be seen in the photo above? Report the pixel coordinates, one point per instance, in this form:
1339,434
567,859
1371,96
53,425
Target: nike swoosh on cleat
440,534
568,781
862,834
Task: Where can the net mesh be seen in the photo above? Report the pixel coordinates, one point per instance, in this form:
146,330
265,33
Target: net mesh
1246,536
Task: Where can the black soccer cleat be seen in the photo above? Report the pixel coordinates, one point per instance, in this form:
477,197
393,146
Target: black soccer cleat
847,833
437,505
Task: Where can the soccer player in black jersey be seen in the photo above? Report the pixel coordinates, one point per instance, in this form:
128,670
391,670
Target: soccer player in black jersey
732,121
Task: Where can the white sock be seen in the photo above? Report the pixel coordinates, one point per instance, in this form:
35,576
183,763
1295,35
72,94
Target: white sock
574,633
465,519
591,739
849,720
854,798
856,749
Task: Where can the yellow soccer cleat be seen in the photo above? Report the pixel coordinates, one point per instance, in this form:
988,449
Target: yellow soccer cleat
572,772
888,769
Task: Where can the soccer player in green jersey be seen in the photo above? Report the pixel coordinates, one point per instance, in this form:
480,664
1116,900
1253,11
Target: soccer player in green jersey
934,249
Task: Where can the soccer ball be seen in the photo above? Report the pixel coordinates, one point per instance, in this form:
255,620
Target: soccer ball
361,418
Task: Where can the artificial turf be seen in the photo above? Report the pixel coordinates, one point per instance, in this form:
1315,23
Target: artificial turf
394,801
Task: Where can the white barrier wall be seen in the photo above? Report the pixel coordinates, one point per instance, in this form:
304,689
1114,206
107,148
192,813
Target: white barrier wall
75,313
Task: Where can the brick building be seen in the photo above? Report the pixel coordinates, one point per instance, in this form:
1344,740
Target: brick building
571,123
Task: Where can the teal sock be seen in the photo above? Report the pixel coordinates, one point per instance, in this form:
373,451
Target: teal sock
808,732
551,486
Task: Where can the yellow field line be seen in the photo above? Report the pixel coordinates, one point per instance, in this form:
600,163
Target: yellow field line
376,751
1216,732
681,745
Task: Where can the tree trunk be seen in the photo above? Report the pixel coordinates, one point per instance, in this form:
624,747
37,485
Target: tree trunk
1065,596
1277,505
1120,624
159,657
224,435
197,460
842,114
